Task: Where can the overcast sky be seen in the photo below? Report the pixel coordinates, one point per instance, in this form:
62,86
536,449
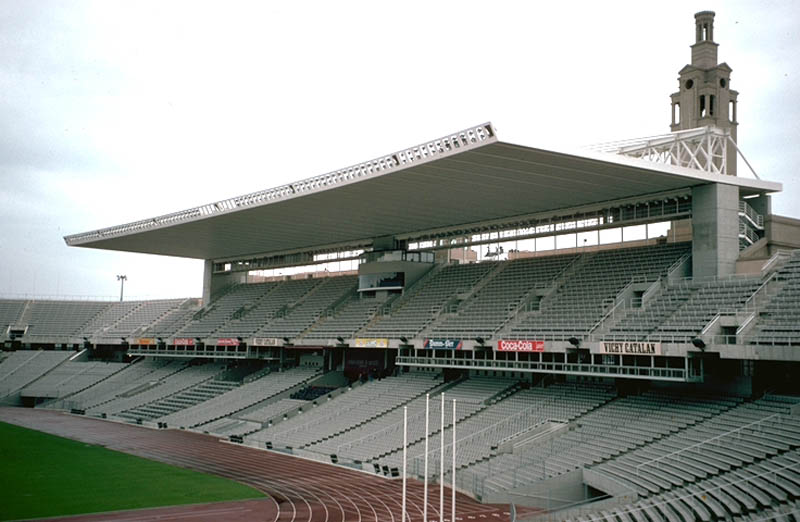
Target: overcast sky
112,112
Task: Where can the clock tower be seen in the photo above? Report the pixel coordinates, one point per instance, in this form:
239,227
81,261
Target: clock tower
704,96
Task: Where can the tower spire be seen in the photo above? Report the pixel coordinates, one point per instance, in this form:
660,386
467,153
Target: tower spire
704,96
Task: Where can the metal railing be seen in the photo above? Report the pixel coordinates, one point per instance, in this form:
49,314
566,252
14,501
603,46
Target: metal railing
754,217
703,443
595,370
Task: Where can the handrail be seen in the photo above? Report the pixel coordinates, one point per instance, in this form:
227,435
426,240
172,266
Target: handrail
759,289
750,318
754,217
780,254
678,262
705,441
609,313
711,323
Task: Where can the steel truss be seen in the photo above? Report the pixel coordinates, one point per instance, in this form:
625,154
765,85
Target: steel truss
703,148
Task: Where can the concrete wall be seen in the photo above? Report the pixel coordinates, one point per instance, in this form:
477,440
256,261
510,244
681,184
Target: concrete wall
560,491
715,230
782,232
213,283
413,271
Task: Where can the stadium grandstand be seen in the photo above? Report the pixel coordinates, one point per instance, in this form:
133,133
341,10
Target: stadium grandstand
619,327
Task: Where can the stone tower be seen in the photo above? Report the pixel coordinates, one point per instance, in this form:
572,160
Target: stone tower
704,95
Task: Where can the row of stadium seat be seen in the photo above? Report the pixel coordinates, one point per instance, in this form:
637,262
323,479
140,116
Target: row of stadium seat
24,366
45,319
458,301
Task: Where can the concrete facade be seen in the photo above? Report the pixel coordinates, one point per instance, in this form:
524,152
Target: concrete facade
715,230
214,283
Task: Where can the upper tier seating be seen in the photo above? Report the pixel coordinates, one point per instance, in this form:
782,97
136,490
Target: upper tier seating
142,315
60,318
83,318
10,311
488,310
261,312
171,322
346,321
110,315
681,310
220,311
707,300
417,311
300,317
779,321
589,291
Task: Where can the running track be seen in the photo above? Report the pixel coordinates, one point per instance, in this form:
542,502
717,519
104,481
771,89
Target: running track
299,490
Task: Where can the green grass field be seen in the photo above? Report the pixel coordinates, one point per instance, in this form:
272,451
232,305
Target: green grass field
42,475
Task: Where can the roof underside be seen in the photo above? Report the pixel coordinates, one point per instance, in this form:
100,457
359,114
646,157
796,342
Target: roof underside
483,180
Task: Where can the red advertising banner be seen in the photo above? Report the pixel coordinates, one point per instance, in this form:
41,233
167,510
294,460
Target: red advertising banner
519,345
228,341
183,341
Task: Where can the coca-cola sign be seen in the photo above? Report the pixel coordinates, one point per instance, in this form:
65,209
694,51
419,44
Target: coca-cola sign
519,345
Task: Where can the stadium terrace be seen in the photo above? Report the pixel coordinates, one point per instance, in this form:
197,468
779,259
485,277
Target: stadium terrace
614,331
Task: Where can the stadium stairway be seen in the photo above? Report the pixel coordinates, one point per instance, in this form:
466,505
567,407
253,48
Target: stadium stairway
347,412
251,396
526,312
184,399
135,379
169,381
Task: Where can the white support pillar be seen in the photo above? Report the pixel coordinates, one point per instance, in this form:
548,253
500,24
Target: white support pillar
405,460
425,478
453,509
441,461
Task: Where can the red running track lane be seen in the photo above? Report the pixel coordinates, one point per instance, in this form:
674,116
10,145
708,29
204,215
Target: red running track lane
300,490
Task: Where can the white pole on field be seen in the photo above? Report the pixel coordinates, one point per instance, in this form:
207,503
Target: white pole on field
425,479
405,464
441,462
453,514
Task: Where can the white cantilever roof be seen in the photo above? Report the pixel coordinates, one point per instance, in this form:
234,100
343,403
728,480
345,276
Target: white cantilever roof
465,177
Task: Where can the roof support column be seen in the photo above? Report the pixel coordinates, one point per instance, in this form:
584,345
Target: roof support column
213,283
715,230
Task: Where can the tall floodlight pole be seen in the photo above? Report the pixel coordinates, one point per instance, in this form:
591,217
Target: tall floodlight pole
425,478
405,467
121,278
441,461
453,514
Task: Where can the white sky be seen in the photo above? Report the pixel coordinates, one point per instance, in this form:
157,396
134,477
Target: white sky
117,111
